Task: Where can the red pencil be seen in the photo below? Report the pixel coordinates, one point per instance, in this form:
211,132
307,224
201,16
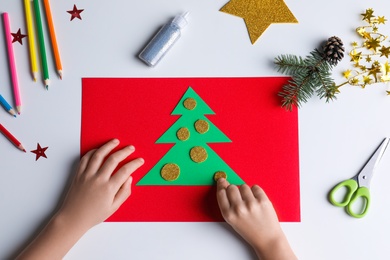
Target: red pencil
11,138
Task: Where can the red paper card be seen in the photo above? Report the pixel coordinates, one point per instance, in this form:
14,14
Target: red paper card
137,111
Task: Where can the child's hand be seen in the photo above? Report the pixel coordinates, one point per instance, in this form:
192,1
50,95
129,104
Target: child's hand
95,194
252,216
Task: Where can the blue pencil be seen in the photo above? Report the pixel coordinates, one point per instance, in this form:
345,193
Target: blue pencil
7,106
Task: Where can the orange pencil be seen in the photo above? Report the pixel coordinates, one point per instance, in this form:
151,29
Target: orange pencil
11,138
53,37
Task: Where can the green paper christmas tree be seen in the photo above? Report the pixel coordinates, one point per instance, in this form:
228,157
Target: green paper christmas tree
191,161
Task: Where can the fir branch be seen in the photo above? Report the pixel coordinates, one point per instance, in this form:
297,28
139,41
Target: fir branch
309,75
289,64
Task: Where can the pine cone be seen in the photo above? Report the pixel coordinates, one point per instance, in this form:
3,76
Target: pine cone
333,50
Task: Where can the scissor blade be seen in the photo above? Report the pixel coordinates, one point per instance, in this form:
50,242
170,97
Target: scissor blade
366,173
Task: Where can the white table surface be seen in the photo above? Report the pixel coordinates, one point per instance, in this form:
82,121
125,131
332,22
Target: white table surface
335,138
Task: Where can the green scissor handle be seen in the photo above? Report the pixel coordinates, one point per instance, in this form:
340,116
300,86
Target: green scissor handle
354,192
364,194
351,186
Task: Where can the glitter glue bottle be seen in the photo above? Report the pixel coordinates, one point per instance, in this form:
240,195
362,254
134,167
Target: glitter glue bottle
163,40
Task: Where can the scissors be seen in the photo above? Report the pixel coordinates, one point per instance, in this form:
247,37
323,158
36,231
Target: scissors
358,186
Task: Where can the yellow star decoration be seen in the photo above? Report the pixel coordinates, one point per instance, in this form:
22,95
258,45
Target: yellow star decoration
366,80
355,56
370,58
259,14
368,15
347,74
381,20
372,44
354,81
385,51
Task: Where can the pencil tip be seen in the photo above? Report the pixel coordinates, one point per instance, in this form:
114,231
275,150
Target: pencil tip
24,150
60,74
15,116
47,82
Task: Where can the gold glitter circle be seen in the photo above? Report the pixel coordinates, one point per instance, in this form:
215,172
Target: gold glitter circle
170,172
220,174
201,126
189,103
198,154
183,134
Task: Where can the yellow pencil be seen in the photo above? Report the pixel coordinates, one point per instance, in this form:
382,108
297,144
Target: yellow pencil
31,39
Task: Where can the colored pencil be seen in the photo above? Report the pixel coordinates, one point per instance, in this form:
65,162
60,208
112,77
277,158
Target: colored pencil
41,39
53,37
12,64
7,106
31,39
11,138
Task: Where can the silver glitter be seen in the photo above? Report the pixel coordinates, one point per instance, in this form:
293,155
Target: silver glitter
163,40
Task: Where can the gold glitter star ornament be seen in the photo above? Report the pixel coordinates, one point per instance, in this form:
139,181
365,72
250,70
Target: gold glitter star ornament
259,14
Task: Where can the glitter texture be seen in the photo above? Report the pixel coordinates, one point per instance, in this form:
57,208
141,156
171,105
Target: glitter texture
183,134
219,175
198,154
170,172
163,40
259,14
201,126
189,103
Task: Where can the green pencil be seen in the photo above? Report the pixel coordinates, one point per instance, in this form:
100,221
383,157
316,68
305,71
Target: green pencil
42,49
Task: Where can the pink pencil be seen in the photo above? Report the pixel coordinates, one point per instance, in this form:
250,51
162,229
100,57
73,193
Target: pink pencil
12,64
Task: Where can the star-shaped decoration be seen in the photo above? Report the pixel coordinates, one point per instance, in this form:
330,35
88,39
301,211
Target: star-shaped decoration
259,14
347,74
385,51
368,58
382,19
374,70
356,56
366,80
75,13
354,81
354,44
39,152
362,67
372,44
368,15
18,37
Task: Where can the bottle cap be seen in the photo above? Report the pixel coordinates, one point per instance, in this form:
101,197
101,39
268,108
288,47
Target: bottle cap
181,20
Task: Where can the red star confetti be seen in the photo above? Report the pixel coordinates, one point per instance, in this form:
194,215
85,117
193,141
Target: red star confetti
39,152
75,13
18,37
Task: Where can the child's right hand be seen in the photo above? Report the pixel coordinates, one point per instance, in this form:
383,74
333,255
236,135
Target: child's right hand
252,215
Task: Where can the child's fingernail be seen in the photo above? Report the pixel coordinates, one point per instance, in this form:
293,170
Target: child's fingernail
132,148
115,141
220,180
